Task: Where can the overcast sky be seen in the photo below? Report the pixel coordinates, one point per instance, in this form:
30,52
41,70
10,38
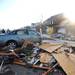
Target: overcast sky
19,13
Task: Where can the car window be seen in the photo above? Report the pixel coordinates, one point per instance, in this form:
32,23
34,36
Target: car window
32,32
12,33
20,32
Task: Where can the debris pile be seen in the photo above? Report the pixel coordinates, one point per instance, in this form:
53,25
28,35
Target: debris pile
54,59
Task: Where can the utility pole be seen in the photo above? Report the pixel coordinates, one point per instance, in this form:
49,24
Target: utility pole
41,21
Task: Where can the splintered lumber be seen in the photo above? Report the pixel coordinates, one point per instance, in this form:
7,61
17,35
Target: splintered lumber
19,62
50,47
45,57
65,62
40,67
5,54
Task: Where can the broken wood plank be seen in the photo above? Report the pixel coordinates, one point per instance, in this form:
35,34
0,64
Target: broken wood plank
50,47
45,57
65,62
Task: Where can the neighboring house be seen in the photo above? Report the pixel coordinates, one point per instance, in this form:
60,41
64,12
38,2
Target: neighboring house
54,21
55,24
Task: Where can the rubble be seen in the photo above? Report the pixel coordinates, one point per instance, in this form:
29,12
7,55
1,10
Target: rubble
53,58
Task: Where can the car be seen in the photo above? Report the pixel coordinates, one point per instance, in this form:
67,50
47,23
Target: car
17,37
58,35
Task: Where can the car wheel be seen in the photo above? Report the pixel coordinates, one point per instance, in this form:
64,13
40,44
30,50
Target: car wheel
12,44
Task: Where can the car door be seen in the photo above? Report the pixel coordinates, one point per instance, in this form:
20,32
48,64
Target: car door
22,35
34,36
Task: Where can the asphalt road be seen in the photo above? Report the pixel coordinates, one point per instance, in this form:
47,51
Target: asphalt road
19,70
